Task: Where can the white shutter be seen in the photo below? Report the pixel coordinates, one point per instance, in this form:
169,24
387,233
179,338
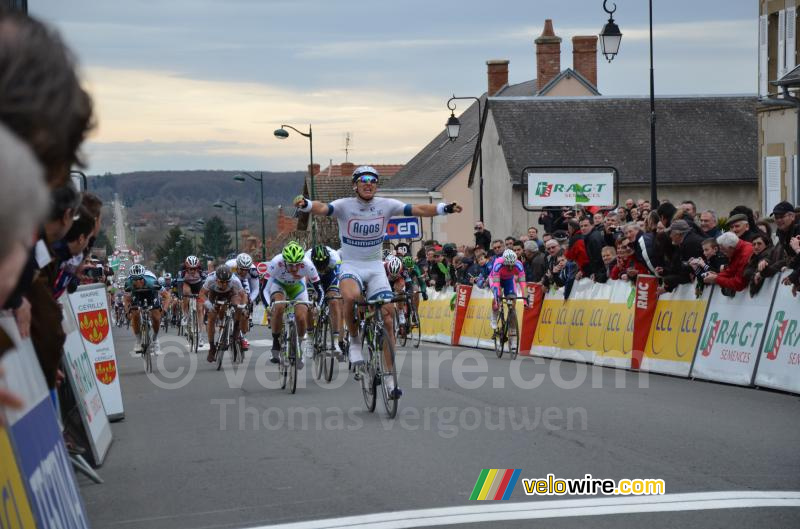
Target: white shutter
762,56
794,188
772,182
791,23
781,43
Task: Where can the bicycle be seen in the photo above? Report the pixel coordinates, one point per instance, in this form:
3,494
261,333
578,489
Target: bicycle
411,325
507,332
324,347
165,320
145,339
177,316
228,334
375,374
290,344
193,325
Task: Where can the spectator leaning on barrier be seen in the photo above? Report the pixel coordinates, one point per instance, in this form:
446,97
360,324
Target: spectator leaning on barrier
535,263
576,249
688,245
766,261
765,226
738,253
483,237
609,254
788,228
708,224
739,225
751,220
642,244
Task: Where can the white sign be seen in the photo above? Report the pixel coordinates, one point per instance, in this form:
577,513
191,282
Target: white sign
80,373
732,334
779,365
570,189
772,182
90,305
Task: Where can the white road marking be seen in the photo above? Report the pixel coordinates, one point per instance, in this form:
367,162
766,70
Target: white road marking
530,510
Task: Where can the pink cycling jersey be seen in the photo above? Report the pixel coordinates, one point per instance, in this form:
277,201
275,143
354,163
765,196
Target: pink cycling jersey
502,275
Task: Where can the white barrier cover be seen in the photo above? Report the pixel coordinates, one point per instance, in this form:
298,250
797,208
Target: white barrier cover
779,365
90,305
573,344
81,376
731,337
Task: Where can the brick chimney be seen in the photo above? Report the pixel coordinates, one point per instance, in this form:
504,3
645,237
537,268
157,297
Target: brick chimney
347,169
497,73
548,55
584,57
314,168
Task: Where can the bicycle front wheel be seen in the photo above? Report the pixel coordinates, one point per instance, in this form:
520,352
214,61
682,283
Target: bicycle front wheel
512,334
414,327
330,357
368,389
294,351
221,345
499,335
388,376
320,332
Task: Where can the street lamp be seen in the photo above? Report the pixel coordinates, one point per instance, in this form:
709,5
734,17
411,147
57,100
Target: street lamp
260,180
610,38
220,204
282,134
454,128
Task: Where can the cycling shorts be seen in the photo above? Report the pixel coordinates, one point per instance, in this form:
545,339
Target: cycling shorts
507,287
150,297
330,281
194,287
371,278
293,291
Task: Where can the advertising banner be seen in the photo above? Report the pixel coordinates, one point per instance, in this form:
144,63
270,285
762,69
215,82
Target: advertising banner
403,228
476,331
436,317
674,331
615,318
16,511
530,319
562,330
732,335
646,299
569,189
90,305
779,365
463,293
82,379
43,462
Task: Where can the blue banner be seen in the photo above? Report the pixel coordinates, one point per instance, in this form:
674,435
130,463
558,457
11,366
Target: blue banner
403,228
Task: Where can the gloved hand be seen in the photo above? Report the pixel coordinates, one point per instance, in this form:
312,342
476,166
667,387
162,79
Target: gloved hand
425,296
207,304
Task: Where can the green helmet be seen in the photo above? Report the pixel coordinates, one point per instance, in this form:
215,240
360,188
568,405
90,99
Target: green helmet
293,253
408,262
320,256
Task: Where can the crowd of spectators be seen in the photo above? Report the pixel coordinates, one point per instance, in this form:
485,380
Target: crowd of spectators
676,243
47,226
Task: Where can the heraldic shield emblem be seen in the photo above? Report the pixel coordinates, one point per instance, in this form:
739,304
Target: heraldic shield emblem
105,371
94,325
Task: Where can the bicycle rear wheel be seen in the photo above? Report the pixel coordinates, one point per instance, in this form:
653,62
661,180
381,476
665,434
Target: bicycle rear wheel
319,345
145,344
329,360
368,389
401,330
388,376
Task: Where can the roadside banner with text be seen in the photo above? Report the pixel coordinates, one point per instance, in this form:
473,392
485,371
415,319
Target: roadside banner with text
672,335
436,317
90,305
41,462
476,331
779,365
82,378
613,322
646,300
732,335
463,293
569,189
530,319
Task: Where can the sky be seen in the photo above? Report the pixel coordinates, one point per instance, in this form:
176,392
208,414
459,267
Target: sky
202,84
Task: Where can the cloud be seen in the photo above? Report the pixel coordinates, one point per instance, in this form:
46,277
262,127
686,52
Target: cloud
151,113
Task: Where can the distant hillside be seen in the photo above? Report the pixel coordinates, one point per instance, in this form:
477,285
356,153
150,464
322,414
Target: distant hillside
163,198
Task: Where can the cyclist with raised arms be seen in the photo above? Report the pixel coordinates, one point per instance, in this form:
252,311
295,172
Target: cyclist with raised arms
362,224
142,287
288,273
507,272
329,264
221,285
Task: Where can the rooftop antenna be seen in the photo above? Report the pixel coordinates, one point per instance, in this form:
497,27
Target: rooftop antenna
348,140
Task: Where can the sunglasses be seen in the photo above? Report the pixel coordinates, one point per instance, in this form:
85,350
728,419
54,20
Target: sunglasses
137,278
368,179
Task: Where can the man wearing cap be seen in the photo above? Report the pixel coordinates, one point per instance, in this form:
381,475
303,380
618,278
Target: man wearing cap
788,228
535,263
689,245
739,225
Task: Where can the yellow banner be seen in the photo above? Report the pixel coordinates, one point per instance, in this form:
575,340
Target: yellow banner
436,318
675,329
16,511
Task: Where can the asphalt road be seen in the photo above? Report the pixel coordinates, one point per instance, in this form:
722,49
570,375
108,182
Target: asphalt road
230,449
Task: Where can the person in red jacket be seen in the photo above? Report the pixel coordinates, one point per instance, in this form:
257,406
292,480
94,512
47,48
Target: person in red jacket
738,253
576,251
627,267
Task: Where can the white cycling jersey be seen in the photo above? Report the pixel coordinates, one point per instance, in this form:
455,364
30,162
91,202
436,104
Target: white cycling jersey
362,225
278,273
249,281
234,285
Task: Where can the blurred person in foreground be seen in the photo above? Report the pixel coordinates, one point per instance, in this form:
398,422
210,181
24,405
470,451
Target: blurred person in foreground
22,183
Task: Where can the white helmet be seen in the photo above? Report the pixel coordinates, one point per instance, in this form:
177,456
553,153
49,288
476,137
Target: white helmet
509,257
192,261
244,261
167,276
136,270
394,265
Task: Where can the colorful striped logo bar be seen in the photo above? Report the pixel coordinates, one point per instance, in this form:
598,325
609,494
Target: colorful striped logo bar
495,484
